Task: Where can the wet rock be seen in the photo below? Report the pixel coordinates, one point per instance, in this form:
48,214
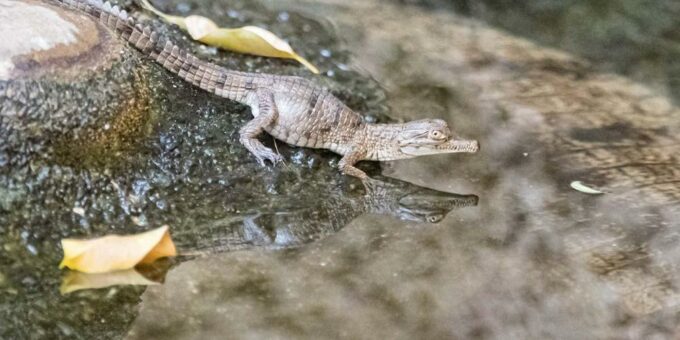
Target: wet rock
68,87
190,171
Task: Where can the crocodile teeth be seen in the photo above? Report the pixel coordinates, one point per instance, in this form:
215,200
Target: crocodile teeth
123,15
115,10
107,6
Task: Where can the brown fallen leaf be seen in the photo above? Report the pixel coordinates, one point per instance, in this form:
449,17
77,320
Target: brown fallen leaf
115,252
247,39
74,280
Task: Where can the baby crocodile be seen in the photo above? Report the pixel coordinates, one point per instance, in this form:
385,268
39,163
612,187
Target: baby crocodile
291,109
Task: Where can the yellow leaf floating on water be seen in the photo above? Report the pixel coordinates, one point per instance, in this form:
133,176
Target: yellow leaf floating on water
74,280
115,252
247,39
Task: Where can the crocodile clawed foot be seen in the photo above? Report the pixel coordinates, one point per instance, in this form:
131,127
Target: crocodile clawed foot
270,156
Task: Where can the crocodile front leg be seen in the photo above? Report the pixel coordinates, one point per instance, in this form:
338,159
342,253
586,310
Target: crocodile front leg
347,162
267,114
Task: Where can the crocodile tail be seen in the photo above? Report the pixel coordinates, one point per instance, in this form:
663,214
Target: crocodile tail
208,76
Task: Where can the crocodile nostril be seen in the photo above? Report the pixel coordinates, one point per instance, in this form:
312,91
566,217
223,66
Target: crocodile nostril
475,146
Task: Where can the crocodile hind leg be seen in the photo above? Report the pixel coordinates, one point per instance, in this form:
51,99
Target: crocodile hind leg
249,132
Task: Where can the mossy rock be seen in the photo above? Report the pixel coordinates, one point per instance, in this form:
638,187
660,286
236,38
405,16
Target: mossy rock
69,89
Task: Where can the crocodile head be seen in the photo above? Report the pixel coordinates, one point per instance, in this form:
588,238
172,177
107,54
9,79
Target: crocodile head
431,137
431,206
407,201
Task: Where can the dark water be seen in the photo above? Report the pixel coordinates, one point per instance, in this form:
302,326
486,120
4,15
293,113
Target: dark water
303,252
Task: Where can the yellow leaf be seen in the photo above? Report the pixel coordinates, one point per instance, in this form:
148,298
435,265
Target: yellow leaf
248,39
198,26
74,280
114,252
253,40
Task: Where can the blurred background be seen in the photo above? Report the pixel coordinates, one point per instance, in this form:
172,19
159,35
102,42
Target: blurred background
636,38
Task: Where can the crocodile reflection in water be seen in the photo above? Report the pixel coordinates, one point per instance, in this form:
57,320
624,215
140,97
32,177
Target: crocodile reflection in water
293,224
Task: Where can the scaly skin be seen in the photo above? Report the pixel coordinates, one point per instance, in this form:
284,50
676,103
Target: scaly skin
292,109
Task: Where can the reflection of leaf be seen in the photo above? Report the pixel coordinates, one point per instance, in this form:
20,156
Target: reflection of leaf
248,39
115,252
74,280
578,186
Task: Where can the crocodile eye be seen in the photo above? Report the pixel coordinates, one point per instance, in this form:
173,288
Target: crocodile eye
436,134
434,218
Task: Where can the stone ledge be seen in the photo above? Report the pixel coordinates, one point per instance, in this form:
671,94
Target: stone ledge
65,80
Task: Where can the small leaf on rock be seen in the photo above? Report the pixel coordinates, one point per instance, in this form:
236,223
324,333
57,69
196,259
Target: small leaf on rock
578,186
114,252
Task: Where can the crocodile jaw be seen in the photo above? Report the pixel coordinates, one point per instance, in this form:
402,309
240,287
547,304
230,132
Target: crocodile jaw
431,206
451,146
